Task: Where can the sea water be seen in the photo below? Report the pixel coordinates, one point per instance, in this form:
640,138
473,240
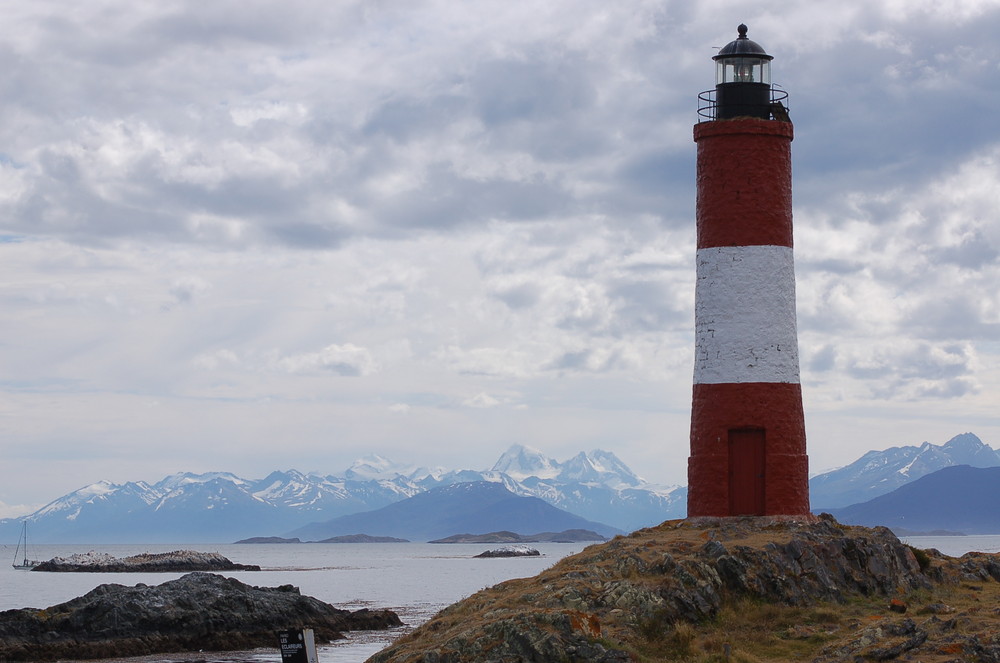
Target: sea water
414,579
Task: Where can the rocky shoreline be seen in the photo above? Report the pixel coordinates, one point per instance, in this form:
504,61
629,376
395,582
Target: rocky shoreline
199,611
734,589
177,561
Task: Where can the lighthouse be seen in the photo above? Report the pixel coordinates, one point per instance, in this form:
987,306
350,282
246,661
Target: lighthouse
748,442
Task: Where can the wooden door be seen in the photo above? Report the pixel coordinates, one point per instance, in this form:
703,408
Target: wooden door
746,472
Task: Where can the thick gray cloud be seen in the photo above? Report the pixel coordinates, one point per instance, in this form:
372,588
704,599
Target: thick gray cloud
433,229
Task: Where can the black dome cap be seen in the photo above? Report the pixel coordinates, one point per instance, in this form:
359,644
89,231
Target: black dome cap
743,47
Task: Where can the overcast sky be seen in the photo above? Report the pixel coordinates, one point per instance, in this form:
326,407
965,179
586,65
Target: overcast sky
248,236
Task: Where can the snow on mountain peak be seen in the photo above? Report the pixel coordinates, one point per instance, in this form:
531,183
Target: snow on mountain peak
221,504
610,463
180,479
102,487
600,467
594,467
968,449
374,466
520,462
879,472
73,500
965,441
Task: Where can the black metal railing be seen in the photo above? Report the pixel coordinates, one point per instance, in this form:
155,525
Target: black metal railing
777,108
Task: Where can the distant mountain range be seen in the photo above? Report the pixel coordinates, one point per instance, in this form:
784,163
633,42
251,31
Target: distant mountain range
880,472
959,498
595,486
475,507
220,507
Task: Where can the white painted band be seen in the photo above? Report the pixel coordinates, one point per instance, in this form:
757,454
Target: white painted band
745,316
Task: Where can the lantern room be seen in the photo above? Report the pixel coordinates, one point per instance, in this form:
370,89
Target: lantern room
742,61
742,81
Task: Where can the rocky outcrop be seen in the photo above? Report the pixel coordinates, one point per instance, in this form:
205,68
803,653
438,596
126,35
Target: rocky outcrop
178,561
510,551
649,594
198,611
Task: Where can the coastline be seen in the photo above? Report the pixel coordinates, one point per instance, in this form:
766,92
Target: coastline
415,580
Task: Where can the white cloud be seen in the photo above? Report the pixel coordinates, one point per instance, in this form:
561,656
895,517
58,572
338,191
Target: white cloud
482,400
217,209
347,359
951,11
214,360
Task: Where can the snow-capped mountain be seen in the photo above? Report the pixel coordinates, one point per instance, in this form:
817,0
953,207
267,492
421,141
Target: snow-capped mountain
220,506
520,462
958,498
597,486
600,467
881,472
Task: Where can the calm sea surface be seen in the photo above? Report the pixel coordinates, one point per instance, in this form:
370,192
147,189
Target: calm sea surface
414,579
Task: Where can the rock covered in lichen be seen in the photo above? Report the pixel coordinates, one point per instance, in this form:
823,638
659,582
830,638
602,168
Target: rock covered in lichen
597,605
510,551
196,611
177,561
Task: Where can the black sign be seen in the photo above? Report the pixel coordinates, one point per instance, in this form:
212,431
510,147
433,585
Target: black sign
293,646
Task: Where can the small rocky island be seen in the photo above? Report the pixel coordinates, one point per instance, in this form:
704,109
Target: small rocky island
504,536
731,589
199,611
178,561
510,551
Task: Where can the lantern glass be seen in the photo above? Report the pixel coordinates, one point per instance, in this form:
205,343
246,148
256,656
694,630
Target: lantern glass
743,70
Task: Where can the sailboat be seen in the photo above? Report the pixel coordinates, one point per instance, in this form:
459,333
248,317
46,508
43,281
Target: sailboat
23,562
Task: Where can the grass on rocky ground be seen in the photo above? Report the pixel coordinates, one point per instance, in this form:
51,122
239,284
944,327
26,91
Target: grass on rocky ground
751,631
746,631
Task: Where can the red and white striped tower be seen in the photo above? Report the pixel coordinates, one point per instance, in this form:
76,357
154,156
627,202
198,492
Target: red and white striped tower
748,443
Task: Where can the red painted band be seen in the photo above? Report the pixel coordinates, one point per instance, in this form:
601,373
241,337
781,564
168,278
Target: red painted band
744,176
774,406
775,409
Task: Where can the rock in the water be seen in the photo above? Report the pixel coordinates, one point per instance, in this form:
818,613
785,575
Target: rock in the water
197,611
510,551
628,599
178,561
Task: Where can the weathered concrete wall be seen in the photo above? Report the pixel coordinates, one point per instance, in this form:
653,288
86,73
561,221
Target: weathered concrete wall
746,373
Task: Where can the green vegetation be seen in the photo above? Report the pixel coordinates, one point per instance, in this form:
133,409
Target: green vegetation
923,559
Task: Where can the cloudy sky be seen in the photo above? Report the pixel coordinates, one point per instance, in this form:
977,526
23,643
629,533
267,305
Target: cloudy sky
248,236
